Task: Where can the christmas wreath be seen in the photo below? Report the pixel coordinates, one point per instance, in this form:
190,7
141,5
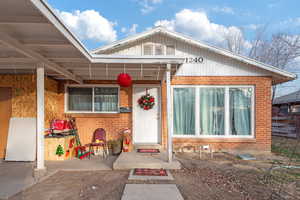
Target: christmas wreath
146,101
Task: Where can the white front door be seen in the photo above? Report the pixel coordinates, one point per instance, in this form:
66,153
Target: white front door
146,123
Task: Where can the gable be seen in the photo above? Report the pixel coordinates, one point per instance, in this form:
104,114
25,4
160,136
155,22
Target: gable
216,63
212,65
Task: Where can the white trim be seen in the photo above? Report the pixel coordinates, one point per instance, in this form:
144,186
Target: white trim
169,112
40,126
227,112
159,93
66,105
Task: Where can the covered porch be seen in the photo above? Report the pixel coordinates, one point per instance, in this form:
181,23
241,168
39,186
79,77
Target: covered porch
35,42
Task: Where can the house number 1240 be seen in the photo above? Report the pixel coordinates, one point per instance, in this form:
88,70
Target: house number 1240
194,60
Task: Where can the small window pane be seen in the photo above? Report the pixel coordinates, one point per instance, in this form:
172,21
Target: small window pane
240,111
80,99
148,49
159,49
184,111
170,50
106,99
212,111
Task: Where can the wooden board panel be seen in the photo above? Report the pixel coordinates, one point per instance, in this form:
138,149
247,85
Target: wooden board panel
21,143
5,114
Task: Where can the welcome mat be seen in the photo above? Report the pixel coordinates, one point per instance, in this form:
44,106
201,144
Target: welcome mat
149,172
148,151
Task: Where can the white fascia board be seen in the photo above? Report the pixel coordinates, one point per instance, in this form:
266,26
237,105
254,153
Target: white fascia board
50,14
136,59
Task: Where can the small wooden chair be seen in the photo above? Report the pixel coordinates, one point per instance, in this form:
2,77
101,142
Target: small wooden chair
206,148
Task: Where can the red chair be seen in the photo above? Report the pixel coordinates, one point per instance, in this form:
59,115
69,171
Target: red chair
98,141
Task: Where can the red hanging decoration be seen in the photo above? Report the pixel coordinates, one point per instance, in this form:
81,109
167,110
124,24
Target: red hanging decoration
124,80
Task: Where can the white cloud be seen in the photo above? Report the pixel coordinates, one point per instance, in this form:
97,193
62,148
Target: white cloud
130,31
197,25
89,25
148,5
292,22
225,9
253,26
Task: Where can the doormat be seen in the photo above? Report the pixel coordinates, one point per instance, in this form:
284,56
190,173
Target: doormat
148,150
149,172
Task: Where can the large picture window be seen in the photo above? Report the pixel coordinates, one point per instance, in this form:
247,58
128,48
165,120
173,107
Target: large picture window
93,99
213,111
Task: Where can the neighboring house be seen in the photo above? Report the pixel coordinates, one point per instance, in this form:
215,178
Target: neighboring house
203,94
286,115
287,104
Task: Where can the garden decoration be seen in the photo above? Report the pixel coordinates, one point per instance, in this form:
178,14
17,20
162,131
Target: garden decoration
59,150
146,101
124,80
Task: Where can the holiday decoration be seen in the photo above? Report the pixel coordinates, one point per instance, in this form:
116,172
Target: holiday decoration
59,150
124,80
146,101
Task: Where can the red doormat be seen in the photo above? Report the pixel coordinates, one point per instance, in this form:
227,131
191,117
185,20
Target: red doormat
148,150
149,172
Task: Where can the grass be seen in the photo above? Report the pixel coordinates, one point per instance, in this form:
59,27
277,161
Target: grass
286,147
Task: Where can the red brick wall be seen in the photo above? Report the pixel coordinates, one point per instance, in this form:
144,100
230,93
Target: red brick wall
112,123
262,141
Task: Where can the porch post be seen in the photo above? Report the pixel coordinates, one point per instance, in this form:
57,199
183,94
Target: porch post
169,113
40,91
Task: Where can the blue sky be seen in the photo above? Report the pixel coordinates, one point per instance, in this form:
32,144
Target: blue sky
98,22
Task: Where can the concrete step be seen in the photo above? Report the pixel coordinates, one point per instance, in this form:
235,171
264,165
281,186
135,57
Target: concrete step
131,160
147,146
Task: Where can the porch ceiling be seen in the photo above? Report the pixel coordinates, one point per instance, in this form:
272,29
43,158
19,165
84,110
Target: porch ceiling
31,33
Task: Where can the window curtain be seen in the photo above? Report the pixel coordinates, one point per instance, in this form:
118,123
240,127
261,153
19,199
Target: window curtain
106,99
212,112
184,111
80,99
240,111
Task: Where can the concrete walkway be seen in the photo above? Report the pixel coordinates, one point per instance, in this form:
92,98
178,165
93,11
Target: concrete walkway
131,160
18,176
15,177
151,192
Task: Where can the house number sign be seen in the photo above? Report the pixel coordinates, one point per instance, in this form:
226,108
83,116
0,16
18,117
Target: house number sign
194,60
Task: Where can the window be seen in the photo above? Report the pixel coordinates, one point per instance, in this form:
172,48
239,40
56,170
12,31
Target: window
148,49
240,111
213,111
93,99
159,49
170,50
184,111
294,109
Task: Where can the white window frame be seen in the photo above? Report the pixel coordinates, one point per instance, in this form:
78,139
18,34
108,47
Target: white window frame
166,46
227,112
93,86
153,48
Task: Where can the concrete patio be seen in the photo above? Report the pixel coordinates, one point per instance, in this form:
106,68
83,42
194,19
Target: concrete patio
18,176
131,160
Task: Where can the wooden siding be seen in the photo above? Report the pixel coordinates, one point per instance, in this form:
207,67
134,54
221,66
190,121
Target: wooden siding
213,64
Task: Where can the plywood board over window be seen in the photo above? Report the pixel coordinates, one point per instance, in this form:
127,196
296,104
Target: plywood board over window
5,114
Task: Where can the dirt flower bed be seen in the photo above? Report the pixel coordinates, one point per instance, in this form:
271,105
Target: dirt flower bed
224,177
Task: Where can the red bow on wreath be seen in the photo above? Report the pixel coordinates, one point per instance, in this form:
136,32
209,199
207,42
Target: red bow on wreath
146,101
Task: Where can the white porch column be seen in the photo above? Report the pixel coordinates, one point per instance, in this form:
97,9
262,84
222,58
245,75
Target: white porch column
40,91
169,113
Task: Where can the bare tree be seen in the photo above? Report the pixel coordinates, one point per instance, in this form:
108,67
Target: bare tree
279,51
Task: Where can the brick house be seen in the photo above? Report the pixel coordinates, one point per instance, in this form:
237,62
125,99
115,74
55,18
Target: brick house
203,94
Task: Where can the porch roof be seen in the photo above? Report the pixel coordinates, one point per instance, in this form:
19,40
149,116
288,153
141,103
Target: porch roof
31,33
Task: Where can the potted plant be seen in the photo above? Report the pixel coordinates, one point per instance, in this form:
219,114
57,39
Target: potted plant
116,146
